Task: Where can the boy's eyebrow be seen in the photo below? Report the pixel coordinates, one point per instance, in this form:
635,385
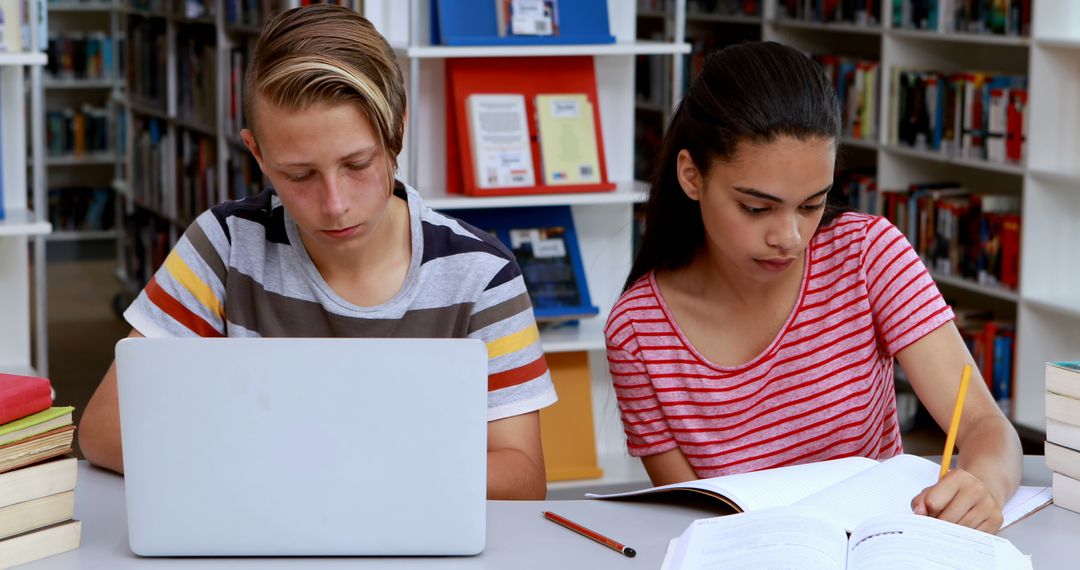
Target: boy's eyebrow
759,194
364,153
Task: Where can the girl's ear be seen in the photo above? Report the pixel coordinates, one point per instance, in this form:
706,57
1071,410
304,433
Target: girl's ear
690,178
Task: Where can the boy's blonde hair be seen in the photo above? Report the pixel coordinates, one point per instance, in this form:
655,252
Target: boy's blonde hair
328,54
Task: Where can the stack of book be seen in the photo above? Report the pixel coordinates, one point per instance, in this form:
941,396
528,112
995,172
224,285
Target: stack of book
37,473
1063,432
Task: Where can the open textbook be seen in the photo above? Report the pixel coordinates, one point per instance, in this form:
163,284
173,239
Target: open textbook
844,492
795,537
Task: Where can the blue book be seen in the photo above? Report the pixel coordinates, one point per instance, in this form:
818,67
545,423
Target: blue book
544,242
489,22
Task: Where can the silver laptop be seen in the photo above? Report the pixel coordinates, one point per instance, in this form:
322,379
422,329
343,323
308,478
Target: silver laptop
281,447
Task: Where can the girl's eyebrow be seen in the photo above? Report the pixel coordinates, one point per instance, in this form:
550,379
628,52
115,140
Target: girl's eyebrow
759,194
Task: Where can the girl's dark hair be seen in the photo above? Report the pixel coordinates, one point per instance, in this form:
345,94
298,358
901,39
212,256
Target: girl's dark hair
752,92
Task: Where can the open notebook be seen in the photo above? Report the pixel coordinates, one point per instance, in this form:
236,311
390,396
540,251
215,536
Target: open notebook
844,492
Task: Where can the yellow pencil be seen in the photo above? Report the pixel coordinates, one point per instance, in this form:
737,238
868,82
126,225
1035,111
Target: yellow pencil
950,439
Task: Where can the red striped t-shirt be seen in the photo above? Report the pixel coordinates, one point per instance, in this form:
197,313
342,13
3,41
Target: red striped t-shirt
822,389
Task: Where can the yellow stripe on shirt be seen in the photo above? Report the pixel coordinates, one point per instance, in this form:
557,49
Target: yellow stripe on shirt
180,271
513,342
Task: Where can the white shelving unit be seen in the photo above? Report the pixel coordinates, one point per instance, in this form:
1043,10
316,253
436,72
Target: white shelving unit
23,338
603,220
1047,303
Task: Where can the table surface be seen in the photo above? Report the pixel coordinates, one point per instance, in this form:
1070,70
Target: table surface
517,534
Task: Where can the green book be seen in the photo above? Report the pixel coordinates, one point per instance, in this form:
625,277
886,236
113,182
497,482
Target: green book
34,424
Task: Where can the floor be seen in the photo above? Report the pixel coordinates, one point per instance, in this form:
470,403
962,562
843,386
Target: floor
84,329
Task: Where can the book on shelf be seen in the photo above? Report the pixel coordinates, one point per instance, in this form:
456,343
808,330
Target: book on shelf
21,396
798,538
544,241
499,140
12,20
527,17
1064,378
856,82
567,134
1066,491
843,492
991,342
519,22
859,12
41,543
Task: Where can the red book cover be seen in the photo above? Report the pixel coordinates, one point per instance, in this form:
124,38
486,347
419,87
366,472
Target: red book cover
1010,251
21,396
1014,124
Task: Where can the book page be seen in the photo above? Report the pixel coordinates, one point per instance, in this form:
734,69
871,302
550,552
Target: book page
771,538
499,135
1025,501
772,487
912,541
886,488
567,132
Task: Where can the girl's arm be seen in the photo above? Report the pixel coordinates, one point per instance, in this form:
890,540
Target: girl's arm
668,467
990,458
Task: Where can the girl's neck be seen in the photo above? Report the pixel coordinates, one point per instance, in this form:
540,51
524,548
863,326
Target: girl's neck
712,277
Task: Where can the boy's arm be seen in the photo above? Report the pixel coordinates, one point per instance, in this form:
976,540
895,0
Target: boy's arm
99,428
515,466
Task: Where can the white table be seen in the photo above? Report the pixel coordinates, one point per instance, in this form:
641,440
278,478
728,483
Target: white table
517,534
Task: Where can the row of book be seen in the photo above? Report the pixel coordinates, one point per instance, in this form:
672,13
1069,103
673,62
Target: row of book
960,233
37,473
706,7
196,65
1063,432
859,12
76,55
196,176
234,118
147,50
999,17
77,132
81,208
856,82
992,344
973,115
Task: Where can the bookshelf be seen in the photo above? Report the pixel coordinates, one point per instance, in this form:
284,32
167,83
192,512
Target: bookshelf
1047,302
83,125
23,338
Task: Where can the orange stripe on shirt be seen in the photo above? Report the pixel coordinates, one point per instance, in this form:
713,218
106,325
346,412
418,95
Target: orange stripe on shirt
518,375
175,309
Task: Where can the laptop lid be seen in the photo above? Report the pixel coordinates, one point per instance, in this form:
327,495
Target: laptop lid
304,446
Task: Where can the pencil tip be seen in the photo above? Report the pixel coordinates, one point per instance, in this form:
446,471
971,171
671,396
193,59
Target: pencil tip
629,552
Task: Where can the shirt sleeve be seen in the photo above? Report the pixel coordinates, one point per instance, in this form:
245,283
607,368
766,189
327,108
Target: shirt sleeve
904,299
646,427
518,377
185,297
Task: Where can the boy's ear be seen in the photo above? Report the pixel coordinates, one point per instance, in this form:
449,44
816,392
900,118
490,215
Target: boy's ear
690,178
252,145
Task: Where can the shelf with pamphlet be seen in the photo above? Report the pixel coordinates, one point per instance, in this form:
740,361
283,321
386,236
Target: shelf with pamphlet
597,87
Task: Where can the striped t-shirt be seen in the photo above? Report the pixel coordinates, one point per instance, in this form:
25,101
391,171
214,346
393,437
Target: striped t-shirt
241,270
822,389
